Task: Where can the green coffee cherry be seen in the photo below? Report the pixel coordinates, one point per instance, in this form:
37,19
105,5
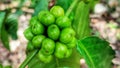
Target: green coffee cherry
37,40
69,30
48,46
66,35
37,29
46,18
57,11
53,32
30,47
41,14
72,43
60,50
44,58
33,21
28,34
46,52
63,22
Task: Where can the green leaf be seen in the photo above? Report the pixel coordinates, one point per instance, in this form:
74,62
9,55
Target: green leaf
2,16
97,52
64,3
3,33
81,20
5,38
41,5
71,62
11,25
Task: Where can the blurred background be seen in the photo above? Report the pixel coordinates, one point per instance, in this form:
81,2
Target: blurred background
105,23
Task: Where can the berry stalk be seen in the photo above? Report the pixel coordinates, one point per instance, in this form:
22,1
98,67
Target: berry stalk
71,7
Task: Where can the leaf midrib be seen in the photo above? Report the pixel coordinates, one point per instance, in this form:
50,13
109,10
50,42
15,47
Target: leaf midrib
88,55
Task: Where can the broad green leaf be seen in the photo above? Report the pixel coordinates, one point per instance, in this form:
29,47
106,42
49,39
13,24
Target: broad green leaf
81,20
11,25
71,62
97,52
41,5
3,33
65,4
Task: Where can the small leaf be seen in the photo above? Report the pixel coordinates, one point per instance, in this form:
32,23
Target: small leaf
41,5
81,20
11,25
3,33
97,52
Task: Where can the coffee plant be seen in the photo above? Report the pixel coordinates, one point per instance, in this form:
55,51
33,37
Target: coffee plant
60,35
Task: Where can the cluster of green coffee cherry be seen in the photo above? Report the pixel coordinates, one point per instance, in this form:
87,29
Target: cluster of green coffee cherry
52,34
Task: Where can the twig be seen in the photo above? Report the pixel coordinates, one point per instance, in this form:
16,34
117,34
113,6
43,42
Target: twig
28,59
